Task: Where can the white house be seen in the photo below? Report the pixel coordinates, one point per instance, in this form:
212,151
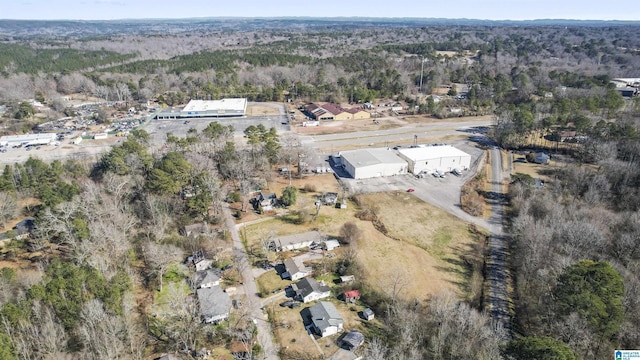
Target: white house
324,319
330,244
370,163
296,241
295,270
435,158
308,289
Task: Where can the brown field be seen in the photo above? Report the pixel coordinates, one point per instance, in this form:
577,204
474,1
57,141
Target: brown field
347,126
260,110
270,281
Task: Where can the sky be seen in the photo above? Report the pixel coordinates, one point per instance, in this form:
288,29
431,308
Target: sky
452,9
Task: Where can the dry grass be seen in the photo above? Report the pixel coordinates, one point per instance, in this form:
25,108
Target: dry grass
346,126
259,110
270,282
294,339
532,169
427,259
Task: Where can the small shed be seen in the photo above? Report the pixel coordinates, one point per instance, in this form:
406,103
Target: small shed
347,279
368,314
351,296
541,158
352,340
330,244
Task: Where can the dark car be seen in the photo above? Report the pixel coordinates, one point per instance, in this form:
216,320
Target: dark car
288,303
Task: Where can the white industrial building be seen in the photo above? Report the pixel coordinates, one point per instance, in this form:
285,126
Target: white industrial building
28,139
435,158
370,163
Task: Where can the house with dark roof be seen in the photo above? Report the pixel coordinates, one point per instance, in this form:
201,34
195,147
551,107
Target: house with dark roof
308,289
323,319
295,270
214,304
266,202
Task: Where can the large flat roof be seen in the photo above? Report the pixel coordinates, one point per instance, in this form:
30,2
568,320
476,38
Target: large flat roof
236,104
368,157
432,152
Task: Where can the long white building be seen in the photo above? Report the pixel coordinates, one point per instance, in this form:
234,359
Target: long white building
28,139
215,108
232,107
370,163
432,158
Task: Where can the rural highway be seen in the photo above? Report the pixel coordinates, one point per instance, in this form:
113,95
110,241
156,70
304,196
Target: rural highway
497,273
265,335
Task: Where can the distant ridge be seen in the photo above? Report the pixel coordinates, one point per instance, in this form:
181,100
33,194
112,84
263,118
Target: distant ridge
98,28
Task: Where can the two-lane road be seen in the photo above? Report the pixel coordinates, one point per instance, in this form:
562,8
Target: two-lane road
498,275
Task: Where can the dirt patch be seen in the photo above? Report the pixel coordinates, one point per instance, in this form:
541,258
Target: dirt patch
347,126
261,110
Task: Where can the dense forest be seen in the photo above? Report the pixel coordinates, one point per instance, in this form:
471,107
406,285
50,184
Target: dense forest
107,233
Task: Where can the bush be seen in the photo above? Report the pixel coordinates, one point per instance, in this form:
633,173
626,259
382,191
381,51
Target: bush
289,195
233,197
309,188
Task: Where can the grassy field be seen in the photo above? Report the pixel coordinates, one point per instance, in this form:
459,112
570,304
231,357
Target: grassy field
270,282
429,250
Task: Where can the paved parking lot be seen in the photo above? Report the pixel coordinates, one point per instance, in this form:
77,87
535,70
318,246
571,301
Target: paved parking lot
441,192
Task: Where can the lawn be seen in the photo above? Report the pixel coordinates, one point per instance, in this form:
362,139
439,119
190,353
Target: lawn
270,282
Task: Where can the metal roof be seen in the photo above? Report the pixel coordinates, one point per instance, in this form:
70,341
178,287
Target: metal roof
238,104
368,157
432,152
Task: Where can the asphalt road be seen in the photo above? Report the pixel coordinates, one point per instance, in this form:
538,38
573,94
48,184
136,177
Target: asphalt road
498,251
265,335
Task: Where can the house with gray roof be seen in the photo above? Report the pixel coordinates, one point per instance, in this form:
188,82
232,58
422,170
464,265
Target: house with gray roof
308,289
214,303
323,319
296,241
295,270
205,279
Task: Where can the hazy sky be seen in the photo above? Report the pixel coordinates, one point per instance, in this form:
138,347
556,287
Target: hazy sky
454,9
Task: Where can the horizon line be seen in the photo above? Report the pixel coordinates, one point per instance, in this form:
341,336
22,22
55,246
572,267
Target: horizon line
325,18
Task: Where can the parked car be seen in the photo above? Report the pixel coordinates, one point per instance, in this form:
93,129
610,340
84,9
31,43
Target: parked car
288,303
411,190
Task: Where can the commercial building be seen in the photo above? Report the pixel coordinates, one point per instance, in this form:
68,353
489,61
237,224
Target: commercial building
28,139
235,107
370,163
435,158
331,111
